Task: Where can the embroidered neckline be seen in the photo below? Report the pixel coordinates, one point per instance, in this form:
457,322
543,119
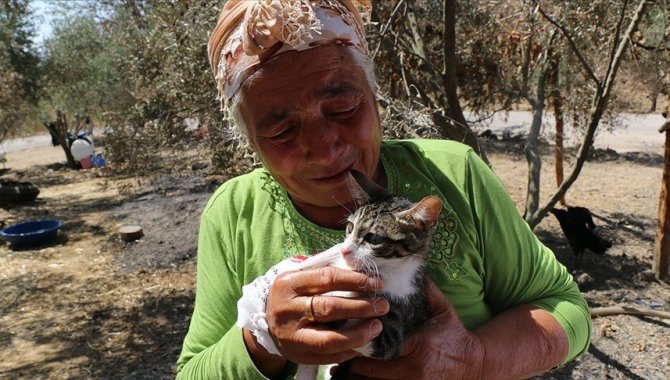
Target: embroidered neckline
302,235
305,237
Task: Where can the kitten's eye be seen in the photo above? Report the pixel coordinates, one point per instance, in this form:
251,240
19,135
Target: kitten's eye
350,227
373,239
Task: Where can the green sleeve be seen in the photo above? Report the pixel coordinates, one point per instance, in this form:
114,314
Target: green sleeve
214,347
518,268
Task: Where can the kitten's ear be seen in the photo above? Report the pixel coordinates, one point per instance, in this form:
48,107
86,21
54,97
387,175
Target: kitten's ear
365,190
427,211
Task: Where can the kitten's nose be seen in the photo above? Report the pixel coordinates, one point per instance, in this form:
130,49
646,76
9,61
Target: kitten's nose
345,251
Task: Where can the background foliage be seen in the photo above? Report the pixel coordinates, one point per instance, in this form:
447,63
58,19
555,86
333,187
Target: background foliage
19,78
139,68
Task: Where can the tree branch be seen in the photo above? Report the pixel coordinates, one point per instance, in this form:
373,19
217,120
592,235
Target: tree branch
449,80
600,104
630,310
386,26
526,65
417,40
573,46
616,34
649,47
618,56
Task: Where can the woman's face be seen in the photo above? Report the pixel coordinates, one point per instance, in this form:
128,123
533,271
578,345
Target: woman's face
311,117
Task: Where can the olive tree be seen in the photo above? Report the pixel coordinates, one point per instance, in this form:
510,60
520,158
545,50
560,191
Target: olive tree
18,64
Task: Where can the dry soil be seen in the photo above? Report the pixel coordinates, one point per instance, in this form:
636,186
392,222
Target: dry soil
93,306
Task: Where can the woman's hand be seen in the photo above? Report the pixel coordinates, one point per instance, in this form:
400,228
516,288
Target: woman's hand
442,348
303,341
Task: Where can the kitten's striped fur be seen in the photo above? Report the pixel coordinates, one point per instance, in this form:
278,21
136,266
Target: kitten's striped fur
387,236
390,236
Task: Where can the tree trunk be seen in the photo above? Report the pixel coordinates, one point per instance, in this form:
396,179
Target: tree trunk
533,157
450,84
449,69
654,98
661,264
557,103
531,148
136,9
62,128
417,41
457,132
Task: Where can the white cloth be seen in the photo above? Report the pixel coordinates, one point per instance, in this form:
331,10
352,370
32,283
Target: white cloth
251,307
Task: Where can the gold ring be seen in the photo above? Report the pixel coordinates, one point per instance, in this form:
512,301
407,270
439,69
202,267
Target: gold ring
309,310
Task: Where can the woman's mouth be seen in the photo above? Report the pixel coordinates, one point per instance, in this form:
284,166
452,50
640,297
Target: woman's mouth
337,176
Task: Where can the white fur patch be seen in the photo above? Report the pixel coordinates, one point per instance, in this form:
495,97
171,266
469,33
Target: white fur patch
398,276
397,273
365,350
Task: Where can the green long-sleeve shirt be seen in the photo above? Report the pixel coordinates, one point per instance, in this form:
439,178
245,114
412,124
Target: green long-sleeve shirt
484,256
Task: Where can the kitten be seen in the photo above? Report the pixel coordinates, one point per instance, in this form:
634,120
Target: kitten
389,236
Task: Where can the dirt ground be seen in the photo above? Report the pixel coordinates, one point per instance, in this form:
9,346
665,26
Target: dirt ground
92,306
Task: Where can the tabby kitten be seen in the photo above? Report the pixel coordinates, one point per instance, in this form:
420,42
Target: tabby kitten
389,236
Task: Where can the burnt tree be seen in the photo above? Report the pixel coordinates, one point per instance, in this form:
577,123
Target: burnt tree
661,265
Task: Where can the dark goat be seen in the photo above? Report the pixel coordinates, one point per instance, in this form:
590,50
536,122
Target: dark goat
578,227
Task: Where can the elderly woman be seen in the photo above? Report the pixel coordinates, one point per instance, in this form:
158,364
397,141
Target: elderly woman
297,79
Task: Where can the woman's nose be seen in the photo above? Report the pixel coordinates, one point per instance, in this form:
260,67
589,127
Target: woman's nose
321,138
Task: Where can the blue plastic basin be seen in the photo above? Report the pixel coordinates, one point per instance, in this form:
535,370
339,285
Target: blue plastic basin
33,233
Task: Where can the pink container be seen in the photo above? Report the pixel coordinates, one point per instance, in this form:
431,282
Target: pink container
86,163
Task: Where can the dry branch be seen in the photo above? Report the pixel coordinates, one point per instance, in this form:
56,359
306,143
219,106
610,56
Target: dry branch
619,23
628,310
573,46
649,47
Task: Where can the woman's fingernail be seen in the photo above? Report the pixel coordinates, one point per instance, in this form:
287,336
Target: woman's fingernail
375,283
375,328
381,306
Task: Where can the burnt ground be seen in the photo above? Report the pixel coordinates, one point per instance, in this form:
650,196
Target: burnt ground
93,306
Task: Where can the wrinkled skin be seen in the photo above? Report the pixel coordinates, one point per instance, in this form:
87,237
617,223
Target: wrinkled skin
312,123
442,348
306,342
309,132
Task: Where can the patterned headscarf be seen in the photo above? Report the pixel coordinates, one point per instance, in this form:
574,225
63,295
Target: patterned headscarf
251,33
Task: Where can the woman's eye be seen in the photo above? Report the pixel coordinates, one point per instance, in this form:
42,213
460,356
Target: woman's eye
284,135
343,112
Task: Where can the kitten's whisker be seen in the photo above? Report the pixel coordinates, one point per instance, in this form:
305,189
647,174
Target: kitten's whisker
371,268
340,203
350,185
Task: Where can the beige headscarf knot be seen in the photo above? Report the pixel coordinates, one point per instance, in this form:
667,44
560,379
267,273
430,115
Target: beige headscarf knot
270,22
250,33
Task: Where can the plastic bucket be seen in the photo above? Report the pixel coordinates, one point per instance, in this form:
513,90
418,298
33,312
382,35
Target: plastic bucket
86,163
